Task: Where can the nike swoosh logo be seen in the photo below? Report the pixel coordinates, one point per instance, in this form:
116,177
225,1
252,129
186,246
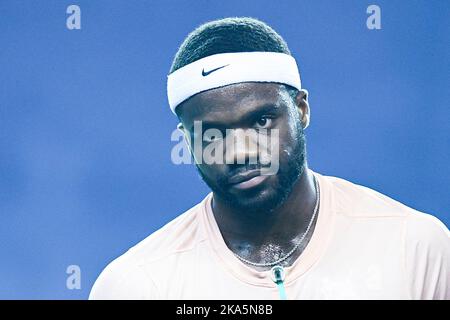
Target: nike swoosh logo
205,73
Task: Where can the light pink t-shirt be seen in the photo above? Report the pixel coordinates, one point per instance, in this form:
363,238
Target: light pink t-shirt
365,246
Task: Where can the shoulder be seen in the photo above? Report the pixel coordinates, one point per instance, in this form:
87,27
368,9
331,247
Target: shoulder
359,202
128,276
355,200
421,242
123,279
426,232
179,235
427,256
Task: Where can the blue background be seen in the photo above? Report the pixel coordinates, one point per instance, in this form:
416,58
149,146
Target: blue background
85,169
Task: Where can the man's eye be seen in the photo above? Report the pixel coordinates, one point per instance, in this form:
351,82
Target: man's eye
264,122
211,137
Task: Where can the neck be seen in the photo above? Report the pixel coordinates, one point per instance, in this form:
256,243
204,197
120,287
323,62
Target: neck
244,233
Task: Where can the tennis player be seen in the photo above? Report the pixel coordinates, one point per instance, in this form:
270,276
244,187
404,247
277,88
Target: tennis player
270,229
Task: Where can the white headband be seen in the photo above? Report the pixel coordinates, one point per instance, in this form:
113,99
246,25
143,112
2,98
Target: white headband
227,68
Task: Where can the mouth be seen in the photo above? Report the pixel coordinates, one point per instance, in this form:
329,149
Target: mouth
247,180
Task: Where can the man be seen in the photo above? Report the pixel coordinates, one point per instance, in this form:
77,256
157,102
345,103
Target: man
270,229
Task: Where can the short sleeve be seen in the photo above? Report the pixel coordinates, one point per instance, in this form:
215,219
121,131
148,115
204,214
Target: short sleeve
123,280
427,257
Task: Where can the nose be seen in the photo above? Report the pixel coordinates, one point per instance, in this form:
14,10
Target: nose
241,147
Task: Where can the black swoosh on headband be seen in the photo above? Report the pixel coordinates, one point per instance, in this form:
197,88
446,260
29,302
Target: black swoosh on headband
205,73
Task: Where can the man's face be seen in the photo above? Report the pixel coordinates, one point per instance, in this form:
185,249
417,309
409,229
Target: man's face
262,108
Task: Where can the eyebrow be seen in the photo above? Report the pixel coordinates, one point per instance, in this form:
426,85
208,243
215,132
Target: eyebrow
250,116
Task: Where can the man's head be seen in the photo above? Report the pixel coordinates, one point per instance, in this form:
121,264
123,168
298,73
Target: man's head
262,107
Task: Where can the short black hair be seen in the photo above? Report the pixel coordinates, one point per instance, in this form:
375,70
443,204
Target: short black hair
238,34
228,35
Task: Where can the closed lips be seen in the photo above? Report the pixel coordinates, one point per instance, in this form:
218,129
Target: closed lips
245,176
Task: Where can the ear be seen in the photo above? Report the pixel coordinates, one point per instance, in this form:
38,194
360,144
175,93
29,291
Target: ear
186,135
303,107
